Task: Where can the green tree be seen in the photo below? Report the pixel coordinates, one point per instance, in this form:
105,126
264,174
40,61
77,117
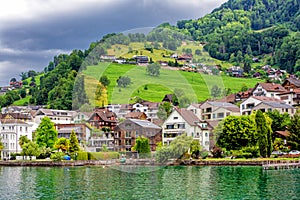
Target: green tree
45,152
1,146
74,146
123,81
280,122
164,110
195,148
215,92
142,146
31,149
264,134
104,81
46,135
294,129
237,132
176,150
153,69
244,88
62,144
23,140
22,93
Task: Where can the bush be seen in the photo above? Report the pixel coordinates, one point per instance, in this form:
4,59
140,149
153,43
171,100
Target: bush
254,151
82,156
217,152
103,155
204,154
58,156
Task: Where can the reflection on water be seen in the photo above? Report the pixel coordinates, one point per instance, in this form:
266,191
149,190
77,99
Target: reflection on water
134,182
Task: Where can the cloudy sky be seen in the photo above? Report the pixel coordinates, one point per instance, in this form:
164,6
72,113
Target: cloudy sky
33,31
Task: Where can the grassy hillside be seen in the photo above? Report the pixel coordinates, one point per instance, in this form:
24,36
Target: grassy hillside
137,48
196,86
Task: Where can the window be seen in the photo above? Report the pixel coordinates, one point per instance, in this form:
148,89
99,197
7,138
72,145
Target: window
269,109
206,134
20,128
220,115
243,106
127,134
175,117
170,126
214,115
181,126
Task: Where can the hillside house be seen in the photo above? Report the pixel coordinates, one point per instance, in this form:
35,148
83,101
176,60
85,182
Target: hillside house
291,97
268,90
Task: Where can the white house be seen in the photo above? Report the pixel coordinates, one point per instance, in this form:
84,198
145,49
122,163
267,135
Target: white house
291,97
10,132
183,121
248,105
214,110
268,90
56,116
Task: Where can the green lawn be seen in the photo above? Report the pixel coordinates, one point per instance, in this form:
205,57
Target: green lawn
196,86
22,102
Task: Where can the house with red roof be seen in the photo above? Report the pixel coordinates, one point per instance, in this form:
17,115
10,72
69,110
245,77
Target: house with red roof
268,90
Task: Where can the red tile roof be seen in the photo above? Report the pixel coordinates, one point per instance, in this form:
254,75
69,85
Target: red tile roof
272,87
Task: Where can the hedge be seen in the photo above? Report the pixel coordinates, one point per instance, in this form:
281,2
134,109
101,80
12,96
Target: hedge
82,156
103,155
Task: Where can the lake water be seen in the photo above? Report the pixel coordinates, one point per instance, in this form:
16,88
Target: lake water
130,182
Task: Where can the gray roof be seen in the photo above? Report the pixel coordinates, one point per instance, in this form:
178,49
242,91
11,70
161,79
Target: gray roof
144,123
221,104
278,105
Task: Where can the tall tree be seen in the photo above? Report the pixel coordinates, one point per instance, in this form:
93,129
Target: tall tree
294,129
74,146
264,134
1,146
46,135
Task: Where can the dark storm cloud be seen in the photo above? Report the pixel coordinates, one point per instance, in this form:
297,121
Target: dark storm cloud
31,44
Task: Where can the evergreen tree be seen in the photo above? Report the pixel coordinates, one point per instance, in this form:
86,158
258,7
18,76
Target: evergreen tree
264,134
74,146
142,146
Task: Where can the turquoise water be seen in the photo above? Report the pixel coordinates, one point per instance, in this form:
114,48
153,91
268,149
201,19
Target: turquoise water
148,183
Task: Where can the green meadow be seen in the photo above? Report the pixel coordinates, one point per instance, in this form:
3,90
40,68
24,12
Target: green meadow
196,86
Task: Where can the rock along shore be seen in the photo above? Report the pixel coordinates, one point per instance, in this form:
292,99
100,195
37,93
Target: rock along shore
141,162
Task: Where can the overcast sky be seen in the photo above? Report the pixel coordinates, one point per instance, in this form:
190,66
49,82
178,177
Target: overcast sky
33,31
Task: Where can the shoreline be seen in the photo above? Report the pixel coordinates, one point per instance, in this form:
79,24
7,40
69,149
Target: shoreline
145,162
